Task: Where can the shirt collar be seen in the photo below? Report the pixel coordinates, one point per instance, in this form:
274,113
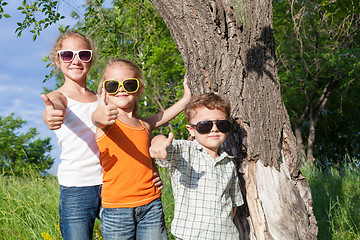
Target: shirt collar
222,153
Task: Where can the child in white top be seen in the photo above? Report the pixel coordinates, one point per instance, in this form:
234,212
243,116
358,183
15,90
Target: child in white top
68,112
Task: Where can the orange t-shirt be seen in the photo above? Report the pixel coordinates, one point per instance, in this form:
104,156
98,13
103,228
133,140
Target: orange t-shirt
128,168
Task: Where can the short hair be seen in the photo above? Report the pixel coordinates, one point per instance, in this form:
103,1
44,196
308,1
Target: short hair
210,101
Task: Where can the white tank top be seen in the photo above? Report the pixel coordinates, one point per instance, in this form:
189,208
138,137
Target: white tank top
80,165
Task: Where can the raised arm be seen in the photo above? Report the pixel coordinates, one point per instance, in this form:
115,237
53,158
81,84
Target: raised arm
163,117
54,112
105,114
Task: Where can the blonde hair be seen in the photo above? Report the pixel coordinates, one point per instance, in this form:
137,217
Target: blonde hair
70,34
208,100
122,63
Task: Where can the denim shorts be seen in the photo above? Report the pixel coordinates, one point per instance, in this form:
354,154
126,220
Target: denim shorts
140,223
78,209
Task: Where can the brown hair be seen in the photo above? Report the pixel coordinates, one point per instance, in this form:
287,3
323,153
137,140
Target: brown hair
59,42
208,100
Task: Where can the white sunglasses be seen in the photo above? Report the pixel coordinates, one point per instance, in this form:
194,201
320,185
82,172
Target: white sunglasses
68,55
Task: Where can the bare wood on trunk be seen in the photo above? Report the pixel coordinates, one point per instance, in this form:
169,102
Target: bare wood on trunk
228,48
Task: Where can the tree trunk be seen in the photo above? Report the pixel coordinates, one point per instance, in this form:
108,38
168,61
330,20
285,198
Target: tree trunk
311,138
228,48
299,142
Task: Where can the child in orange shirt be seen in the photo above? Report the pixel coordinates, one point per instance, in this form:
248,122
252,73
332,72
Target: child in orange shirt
131,203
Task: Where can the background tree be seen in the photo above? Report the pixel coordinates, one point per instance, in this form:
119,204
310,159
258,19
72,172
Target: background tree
228,47
318,57
20,152
135,31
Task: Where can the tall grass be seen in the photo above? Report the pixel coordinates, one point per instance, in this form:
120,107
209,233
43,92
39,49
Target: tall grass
29,204
336,199
28,207
167,200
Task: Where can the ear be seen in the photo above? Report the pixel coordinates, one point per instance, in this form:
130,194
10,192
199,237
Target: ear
57,62
191,130
140,90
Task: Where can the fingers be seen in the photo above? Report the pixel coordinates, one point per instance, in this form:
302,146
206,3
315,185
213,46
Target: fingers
185,81
103,97
157,181
47,101
52,117
187,91
170,138
159,145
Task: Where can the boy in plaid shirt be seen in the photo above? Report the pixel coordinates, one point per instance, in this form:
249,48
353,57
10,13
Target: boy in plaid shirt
203,176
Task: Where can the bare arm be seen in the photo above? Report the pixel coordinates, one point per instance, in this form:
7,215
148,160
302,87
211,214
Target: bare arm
162,118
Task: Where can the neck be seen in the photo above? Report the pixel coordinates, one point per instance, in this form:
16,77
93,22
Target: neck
213,153
74,85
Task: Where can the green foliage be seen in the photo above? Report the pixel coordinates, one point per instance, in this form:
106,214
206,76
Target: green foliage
2,5
135,31
43,9
318,52
21,151
339,131
336,192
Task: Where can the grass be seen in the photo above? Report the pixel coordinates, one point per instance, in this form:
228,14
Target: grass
28,207
336,199
29,204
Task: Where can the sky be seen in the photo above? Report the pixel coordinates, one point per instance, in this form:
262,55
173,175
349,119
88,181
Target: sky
22,71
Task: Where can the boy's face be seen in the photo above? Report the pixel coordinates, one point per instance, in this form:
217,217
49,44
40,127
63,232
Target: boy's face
212,140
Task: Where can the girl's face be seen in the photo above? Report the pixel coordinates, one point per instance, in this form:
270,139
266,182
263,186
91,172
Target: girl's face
75,70
122,99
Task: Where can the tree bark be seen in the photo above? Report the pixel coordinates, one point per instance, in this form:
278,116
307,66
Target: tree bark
228,48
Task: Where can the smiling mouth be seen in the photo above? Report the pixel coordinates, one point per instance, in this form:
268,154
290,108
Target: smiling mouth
122,95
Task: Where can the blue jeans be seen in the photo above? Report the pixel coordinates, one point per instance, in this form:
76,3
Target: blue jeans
140,223
78,208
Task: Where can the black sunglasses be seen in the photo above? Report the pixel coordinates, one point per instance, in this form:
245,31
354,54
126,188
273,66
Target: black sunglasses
204,127
130,85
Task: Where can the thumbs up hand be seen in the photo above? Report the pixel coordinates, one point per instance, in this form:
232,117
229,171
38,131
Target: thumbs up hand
106,113
159,145
52,117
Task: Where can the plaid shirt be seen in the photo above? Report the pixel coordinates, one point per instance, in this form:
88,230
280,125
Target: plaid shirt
205,191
